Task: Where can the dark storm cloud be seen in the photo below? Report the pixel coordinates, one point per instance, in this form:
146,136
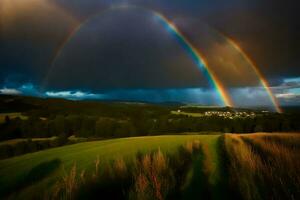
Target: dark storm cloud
268,31
124,49
31,33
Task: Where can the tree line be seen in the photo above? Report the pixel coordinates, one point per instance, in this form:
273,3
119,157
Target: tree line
140,125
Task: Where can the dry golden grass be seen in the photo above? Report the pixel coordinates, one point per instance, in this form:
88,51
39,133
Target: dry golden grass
120,168
159,161
189,147
67,186
82,176
264,167
97,163
291,140
70,183
282,164
140,187
244,166
259,167
276,148
152,180
192,146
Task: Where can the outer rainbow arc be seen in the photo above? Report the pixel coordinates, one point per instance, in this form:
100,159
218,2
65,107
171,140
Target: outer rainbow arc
68,38
58,53
65,41
262,79
78,27
183,41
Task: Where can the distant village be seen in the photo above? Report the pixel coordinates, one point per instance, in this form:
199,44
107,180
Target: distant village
229,115
224,114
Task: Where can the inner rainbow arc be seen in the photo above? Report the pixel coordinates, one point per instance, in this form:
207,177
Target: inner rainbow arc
198,58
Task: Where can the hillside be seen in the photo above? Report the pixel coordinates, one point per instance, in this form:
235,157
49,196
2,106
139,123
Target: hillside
14,170
232,166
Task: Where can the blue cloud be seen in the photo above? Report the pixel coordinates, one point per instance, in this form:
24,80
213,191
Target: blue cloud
75,95
243,97
289,80
10,91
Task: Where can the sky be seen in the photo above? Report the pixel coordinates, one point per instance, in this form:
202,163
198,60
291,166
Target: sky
117,49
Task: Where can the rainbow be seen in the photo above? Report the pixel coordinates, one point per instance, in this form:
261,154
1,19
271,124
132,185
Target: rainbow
197,57
181,39
259,74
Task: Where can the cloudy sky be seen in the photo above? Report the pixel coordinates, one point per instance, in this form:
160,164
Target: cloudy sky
115,49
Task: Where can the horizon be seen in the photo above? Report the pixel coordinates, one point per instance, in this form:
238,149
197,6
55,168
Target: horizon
162,103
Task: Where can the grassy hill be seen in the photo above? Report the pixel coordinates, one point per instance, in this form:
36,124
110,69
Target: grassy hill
13,171
243,166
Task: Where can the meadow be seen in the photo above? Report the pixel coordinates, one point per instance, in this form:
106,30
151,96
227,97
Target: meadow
187,114
240,166
12,115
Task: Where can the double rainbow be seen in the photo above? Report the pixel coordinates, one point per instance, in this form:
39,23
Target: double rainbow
190,49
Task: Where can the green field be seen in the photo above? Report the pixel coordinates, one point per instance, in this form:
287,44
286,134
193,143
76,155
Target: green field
13,170
187,114
230,166
12,116
199,106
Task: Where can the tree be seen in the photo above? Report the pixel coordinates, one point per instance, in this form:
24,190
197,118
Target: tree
7,119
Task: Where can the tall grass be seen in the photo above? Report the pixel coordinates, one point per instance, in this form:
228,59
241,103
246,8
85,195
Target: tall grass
67,186
153,178
97,162
281,166
254,167
263,168
160,176
244,168
193,146
150,176
288,140
120,168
